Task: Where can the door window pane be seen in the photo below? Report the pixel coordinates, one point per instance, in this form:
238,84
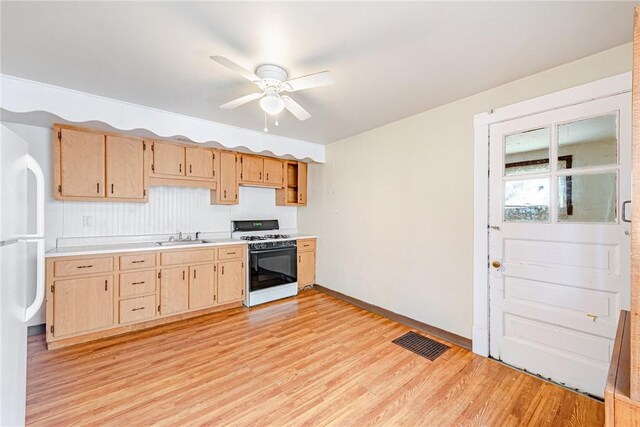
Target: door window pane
527,152
588,142
587,198
527,200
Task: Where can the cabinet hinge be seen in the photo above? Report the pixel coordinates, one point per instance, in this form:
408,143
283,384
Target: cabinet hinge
241,175
152,147
236,197
158,309
59,135
158,274
144,192
144,145
53,288
243,292
241,160
51,329
243,265
215,268
153,167
59,188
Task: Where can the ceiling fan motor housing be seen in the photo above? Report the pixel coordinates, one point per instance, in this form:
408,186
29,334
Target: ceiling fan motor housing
272,75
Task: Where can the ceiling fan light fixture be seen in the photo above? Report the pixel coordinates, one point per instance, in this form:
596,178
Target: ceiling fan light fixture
272,104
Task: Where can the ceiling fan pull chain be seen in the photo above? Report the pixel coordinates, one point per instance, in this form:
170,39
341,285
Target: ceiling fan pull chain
265,122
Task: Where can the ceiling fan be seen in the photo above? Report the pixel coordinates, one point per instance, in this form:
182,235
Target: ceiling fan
273,83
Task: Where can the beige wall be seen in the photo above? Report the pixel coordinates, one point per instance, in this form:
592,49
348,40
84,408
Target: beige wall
393,206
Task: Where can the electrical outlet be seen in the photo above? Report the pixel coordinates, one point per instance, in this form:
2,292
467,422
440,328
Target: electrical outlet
87,221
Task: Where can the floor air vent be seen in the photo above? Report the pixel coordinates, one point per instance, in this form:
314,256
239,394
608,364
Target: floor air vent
425,347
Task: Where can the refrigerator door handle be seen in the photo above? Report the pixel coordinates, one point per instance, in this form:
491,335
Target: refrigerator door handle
34,167
37,238
37,302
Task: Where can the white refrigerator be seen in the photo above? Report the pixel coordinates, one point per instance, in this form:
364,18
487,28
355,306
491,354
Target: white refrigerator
15,310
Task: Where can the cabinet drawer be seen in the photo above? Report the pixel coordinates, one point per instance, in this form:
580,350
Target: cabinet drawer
129,262
137,283
82,266
186,257
306,245
231,252
137,309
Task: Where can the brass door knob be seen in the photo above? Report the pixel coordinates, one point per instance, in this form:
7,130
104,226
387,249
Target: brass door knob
496,264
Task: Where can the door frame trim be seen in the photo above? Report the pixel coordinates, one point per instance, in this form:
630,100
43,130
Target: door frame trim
603,88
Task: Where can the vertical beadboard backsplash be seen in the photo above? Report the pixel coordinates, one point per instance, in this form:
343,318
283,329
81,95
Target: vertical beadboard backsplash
172,209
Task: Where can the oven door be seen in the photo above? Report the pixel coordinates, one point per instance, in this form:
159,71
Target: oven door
272,267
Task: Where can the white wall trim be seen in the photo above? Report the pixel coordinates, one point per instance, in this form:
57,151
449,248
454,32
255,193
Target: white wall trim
614,85
27,96
603,88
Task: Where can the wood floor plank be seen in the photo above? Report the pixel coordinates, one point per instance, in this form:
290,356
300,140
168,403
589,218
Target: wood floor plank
309,360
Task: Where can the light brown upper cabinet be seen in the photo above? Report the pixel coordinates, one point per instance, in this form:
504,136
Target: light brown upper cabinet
200,162
302,183
168,159
97,166
251,169
294,192
260,171
273,171
125,168
80,164
182,165
227,190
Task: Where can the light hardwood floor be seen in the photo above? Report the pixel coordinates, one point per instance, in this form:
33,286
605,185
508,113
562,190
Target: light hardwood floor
311,360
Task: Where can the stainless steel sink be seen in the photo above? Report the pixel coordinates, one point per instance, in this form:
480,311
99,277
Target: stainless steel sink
181,242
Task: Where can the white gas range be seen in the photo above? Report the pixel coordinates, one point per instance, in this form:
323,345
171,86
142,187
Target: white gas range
273,270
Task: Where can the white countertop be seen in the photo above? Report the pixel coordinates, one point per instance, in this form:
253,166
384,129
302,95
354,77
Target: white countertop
151,246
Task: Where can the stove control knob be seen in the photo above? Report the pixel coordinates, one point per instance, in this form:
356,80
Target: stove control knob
262,246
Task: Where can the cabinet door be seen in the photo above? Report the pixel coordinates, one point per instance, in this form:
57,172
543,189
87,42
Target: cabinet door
199,163
202,286
168,159
252,168
82,162
82,305
230,281
273,171
174,290
125,168
302,183
228,186
306,268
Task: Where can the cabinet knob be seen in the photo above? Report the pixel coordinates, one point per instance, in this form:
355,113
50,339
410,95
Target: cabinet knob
496,263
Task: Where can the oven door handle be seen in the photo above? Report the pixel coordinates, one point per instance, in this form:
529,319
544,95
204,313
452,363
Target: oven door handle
264,251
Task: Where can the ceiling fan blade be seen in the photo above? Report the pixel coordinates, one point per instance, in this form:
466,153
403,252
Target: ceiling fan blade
295,108
236,68
241,101
322,78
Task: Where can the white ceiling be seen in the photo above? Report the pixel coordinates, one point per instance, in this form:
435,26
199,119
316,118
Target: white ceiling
391,59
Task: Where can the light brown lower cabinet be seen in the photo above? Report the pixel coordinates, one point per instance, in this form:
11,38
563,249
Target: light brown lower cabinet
82,304
202,285
230,281
174,290
92,297
306,262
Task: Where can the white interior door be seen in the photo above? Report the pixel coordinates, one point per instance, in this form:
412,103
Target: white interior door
559,248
